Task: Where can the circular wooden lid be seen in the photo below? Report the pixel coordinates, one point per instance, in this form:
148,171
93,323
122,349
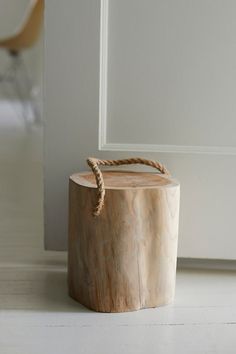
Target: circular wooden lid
125,180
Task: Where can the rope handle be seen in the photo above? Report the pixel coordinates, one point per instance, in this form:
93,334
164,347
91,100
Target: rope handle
94,163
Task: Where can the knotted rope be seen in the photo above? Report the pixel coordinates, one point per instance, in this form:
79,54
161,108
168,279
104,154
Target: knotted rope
94,163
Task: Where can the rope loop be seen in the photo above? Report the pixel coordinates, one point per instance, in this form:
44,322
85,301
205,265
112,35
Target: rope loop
94,164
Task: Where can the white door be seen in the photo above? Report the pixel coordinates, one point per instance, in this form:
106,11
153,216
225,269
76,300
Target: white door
154,78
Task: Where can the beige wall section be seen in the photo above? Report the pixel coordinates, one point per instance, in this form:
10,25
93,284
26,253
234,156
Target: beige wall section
207,208
12,14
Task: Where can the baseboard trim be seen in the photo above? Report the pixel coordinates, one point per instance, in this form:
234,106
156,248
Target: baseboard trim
60,264
202,263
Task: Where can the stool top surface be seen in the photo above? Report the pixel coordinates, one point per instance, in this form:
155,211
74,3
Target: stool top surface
125,180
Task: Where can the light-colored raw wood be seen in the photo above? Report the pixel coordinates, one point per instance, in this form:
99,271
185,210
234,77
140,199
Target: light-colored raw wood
124,259
28,33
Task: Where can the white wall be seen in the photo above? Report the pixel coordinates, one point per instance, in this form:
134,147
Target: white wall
12,13
170,97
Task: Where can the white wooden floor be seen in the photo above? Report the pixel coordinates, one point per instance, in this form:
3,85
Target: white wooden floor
36,314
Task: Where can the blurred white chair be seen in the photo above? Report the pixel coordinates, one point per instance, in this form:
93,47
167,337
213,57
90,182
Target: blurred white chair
23,39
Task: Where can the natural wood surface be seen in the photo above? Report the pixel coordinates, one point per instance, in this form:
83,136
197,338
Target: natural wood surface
28,33
123,179
124,259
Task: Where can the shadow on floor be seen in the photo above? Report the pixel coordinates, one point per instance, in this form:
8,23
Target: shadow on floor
39,289
56,294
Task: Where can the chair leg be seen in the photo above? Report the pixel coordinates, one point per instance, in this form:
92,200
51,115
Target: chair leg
18,75
8,77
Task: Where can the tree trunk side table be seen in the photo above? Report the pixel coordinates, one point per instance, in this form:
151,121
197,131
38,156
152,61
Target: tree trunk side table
123,233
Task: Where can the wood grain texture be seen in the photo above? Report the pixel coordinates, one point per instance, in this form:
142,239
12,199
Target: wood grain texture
124,259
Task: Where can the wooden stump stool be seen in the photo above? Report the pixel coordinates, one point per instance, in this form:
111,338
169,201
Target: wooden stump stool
123,232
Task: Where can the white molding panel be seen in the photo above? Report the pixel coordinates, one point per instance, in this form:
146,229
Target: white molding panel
103,144
103,73
183,149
